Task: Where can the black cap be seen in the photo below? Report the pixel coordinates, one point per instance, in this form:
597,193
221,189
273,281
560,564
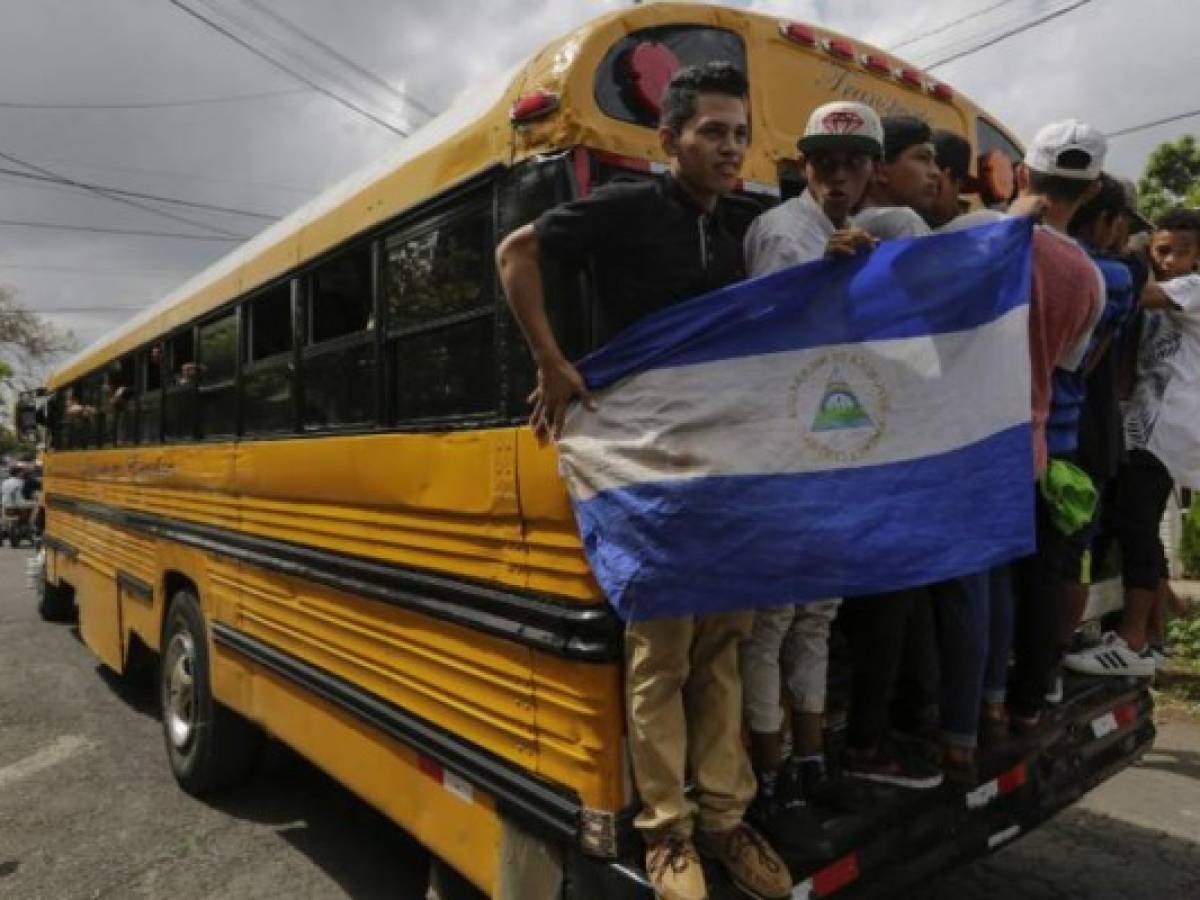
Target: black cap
902,132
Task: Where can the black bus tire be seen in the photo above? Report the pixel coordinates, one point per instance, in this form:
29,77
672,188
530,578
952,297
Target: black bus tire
56,602
208,745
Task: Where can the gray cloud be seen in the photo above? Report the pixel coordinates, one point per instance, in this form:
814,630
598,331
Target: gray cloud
1106,62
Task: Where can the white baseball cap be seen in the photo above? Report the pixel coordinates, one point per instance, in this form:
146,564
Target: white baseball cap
843,125
1087,146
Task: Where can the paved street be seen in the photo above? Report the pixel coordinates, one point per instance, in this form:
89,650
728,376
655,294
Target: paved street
88,808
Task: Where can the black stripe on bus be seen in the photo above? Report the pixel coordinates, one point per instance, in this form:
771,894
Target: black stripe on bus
518,793
134,586
53,543
588,633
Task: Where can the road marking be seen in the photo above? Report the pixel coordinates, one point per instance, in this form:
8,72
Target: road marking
58,752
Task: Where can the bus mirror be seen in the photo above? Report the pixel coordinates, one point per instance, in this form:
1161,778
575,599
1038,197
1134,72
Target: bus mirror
27,418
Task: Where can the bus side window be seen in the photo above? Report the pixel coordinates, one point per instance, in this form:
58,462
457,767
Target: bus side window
439,293
268,366
54,414
216,374
179,388
338,363
150,401
120,402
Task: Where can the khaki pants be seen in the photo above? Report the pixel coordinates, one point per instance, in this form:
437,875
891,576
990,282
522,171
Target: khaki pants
799,636
684,705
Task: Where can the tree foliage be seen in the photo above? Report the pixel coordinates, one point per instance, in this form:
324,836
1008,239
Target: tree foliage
1172,178
26,339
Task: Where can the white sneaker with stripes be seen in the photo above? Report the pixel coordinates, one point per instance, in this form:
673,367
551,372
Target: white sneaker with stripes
1112,656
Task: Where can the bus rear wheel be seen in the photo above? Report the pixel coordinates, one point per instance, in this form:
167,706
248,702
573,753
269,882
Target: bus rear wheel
208,745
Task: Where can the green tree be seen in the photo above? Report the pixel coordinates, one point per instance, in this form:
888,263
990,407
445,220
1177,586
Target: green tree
1172,178
26,339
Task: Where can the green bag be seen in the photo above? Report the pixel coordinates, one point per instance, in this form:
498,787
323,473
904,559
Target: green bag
1070,494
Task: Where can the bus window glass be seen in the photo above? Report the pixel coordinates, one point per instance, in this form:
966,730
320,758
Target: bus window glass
990,138
441,316
120,402
438,273
268,402
339,387
217,370
631,75
446,372
340,295
179,393
150,401
271,322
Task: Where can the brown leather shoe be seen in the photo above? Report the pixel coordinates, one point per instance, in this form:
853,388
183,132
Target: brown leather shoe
674,869
755,868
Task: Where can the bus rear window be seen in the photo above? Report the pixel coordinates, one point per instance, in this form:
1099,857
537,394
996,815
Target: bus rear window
631,77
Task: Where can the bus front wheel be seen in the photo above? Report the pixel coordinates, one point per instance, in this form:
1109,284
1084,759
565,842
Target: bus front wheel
209,746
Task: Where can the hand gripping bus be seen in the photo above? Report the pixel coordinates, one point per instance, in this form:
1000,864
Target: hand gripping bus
301,483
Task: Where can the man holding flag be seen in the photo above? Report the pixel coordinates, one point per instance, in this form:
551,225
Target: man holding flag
659,243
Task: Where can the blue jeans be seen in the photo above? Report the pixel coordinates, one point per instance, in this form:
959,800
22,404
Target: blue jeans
1000,635
962,622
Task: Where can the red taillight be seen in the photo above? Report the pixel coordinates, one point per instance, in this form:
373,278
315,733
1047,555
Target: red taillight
841,47
876,64
911,76
997,181
533,106
798,33
942,91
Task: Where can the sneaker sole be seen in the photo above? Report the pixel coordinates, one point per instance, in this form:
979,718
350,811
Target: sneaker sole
922,784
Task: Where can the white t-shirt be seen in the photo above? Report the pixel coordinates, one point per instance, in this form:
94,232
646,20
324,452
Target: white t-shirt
890,222
11,492
1163,415
797,231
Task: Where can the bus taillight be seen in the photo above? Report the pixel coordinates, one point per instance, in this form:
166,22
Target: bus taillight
533,106
798,33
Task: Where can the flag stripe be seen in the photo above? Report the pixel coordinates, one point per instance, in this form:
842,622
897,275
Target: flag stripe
715,544
897,291
648,428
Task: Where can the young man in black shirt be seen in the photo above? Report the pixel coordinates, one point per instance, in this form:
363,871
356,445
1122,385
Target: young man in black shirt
654,244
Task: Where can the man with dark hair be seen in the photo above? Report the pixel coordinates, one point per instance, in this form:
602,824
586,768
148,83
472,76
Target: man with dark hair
657,243
1085,416
1162,435
1060,173
905,184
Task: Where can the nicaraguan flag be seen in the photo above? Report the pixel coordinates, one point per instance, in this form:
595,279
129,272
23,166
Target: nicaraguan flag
838,428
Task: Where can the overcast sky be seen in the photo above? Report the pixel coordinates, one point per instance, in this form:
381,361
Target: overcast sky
164,104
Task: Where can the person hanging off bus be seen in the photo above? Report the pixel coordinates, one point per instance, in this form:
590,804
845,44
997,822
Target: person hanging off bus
654,244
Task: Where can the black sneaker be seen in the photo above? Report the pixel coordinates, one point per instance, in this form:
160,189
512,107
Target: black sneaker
887,766
807,781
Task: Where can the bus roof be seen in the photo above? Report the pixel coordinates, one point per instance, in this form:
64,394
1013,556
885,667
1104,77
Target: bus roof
792,69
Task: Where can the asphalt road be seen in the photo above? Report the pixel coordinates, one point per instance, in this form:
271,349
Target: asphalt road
88,808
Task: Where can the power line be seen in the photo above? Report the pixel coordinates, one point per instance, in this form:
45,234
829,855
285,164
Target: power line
21,223
1041,20
124,193
1133,129
946,26
164,104
185,176
148,271
344,60
349,104
118,199
63,310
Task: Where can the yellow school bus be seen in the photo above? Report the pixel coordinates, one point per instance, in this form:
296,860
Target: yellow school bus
301,482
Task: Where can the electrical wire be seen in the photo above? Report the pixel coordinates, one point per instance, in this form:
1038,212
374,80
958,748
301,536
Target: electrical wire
946,26
127,201
1134,129
344,60
97,229
67,182
241,42
1026,26
164,104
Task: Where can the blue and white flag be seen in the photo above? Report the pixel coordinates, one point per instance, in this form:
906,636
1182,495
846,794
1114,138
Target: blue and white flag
838,428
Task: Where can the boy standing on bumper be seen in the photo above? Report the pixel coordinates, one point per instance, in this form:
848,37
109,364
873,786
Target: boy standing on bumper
658,243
